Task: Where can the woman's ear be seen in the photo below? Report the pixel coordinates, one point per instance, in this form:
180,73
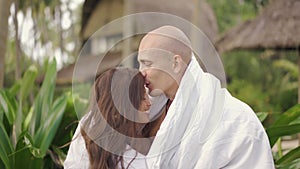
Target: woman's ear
177,65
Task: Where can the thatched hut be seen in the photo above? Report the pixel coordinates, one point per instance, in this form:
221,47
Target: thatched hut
277,27
97,13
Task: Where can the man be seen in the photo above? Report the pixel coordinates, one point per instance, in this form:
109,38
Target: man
205,127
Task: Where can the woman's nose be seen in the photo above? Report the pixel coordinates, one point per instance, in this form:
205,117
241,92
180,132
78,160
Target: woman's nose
149,103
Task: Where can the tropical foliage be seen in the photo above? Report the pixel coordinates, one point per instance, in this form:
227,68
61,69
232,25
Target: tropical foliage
27,128
266,80
286,125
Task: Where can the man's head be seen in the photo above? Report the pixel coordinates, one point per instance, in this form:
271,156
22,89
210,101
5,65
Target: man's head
164,54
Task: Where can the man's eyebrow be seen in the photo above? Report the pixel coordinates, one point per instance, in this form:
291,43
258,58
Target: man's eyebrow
142,60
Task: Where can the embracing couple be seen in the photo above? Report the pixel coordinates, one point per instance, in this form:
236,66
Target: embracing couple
168,115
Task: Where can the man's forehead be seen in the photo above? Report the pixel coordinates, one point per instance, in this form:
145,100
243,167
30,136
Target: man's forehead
153,54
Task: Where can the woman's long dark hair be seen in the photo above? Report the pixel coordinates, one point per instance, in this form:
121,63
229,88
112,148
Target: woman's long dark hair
101,128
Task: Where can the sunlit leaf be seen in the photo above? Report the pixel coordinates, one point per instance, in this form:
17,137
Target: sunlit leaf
288,116
283,126
48,129
28,81
275,132
262,115
28,119
290,157
285,130
44,99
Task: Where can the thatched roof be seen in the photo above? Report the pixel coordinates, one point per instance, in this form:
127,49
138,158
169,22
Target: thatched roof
206,19
277,26
182,8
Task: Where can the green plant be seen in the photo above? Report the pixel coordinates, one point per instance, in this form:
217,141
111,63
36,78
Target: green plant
27,129
266,79
287,124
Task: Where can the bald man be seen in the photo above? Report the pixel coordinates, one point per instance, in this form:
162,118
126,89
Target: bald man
205,127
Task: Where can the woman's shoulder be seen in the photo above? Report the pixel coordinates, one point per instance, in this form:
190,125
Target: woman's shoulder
134,159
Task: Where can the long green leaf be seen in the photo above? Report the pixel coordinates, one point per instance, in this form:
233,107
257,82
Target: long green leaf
8,105
4,158
285,130
1,115
15,88
6,147
44,99
275,132
28,119
288,116
47,89
47,131
296,121
295,164
290,156
28,81
283,122
18,121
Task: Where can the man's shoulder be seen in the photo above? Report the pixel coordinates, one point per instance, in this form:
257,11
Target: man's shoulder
237,132
238,121
238,112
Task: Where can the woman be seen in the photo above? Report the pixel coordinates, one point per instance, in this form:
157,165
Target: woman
113,129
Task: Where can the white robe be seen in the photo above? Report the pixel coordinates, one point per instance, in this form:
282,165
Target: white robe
207,128
78,158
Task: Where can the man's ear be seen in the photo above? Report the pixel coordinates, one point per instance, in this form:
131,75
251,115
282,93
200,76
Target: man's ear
177,65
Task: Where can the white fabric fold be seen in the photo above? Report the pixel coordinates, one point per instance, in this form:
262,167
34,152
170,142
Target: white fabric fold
193,107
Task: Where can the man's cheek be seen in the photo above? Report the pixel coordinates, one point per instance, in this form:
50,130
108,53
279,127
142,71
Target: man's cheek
162,68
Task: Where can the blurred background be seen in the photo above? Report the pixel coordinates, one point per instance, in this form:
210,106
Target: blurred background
258,42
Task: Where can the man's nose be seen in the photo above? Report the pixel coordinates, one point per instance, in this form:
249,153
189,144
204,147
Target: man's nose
141,67
143,73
